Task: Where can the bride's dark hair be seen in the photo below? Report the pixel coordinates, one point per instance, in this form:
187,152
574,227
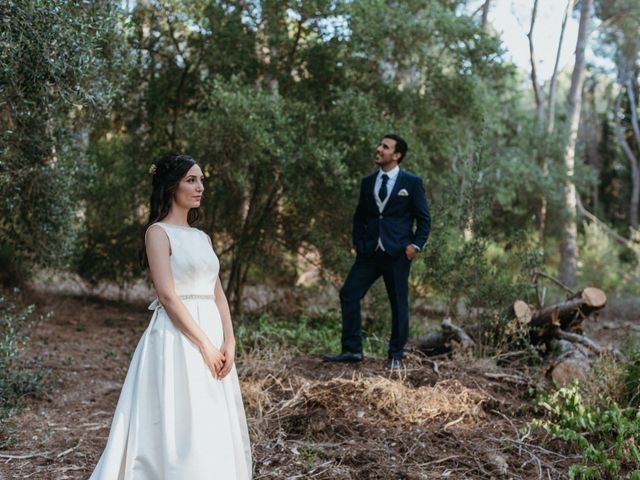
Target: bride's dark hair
167,173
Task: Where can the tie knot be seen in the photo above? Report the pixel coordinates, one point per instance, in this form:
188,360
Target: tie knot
385,178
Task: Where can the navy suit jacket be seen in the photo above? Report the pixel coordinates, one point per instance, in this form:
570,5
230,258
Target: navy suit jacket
394,225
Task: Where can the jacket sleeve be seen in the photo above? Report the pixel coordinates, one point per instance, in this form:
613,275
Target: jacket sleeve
422,215
359,221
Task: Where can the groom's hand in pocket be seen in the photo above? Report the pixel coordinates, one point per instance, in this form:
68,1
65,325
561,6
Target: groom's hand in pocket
229,351
410,251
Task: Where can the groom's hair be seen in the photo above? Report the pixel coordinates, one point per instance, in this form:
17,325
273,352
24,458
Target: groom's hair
401,145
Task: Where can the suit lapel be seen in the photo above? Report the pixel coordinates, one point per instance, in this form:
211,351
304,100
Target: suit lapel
370,193
396,189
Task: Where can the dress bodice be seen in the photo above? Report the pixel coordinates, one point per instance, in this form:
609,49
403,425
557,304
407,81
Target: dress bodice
194,264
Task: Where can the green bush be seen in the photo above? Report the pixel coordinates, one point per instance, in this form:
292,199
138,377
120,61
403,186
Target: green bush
631,380
17,379
607,435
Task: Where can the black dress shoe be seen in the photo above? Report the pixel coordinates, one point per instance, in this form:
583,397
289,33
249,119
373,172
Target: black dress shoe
344,357
394,364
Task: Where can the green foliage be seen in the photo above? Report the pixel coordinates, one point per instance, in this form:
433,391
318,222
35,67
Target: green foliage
307,335
282,103
17,379
107,248
631,380
606,434
607,264
286,123
52,78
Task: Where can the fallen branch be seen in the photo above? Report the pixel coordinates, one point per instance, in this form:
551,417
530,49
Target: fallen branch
554,280
25,457
463,338
515,379
69,450
590,344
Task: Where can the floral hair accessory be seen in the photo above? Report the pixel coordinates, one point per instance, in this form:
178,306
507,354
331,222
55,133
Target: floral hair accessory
152,169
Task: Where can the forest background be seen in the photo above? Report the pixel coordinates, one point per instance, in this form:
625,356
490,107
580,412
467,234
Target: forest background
283,103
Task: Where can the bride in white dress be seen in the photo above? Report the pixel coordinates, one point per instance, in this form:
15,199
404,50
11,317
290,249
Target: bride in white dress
180,414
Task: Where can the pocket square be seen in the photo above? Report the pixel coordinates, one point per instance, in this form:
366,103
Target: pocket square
403,193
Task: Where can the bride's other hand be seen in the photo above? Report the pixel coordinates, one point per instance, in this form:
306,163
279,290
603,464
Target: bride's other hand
214,359
229,352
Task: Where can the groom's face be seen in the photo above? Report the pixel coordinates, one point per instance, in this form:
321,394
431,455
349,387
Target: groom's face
386,153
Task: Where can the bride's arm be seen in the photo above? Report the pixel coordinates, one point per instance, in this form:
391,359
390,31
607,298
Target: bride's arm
158,251
229,345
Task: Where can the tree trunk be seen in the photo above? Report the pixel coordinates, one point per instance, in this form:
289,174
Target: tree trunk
551,109
538,95
537,89
633,163
568,242
553,84
485,14
551,114
635,171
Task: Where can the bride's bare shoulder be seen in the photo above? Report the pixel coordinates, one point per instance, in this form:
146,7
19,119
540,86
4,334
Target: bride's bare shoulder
157,239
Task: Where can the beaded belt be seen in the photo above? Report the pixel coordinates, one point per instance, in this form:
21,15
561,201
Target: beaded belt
156,303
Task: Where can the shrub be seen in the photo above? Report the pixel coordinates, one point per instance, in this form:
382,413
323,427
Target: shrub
607,435
16,378
631,380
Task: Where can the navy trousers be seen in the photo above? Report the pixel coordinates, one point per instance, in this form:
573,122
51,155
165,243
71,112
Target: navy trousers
364,272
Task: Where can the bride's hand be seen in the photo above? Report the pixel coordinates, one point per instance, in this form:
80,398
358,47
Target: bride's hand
213,358
229,352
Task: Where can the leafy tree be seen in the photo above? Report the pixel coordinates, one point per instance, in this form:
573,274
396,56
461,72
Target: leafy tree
51,77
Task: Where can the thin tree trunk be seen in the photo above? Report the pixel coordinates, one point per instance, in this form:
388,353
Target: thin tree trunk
485,14
633,108
633,160
551,115
553,85
538,95
568,241
537,89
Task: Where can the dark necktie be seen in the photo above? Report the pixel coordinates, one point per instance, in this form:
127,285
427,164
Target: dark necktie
382,194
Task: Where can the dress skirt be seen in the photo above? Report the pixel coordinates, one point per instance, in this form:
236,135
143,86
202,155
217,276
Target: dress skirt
174,421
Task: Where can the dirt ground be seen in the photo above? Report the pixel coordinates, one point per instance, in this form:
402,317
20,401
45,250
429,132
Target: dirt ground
452,418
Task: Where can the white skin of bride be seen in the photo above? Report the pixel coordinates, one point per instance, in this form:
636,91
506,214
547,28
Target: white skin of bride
188,195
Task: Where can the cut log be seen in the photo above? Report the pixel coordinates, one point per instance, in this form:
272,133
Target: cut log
567,315
436,343
458,333
522,312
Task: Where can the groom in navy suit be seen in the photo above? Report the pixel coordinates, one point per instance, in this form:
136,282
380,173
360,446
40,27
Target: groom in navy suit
391,201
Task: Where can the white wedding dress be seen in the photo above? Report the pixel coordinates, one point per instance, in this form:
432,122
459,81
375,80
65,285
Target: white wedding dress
173,420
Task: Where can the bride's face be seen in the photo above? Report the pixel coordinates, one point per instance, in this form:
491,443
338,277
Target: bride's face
190,189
